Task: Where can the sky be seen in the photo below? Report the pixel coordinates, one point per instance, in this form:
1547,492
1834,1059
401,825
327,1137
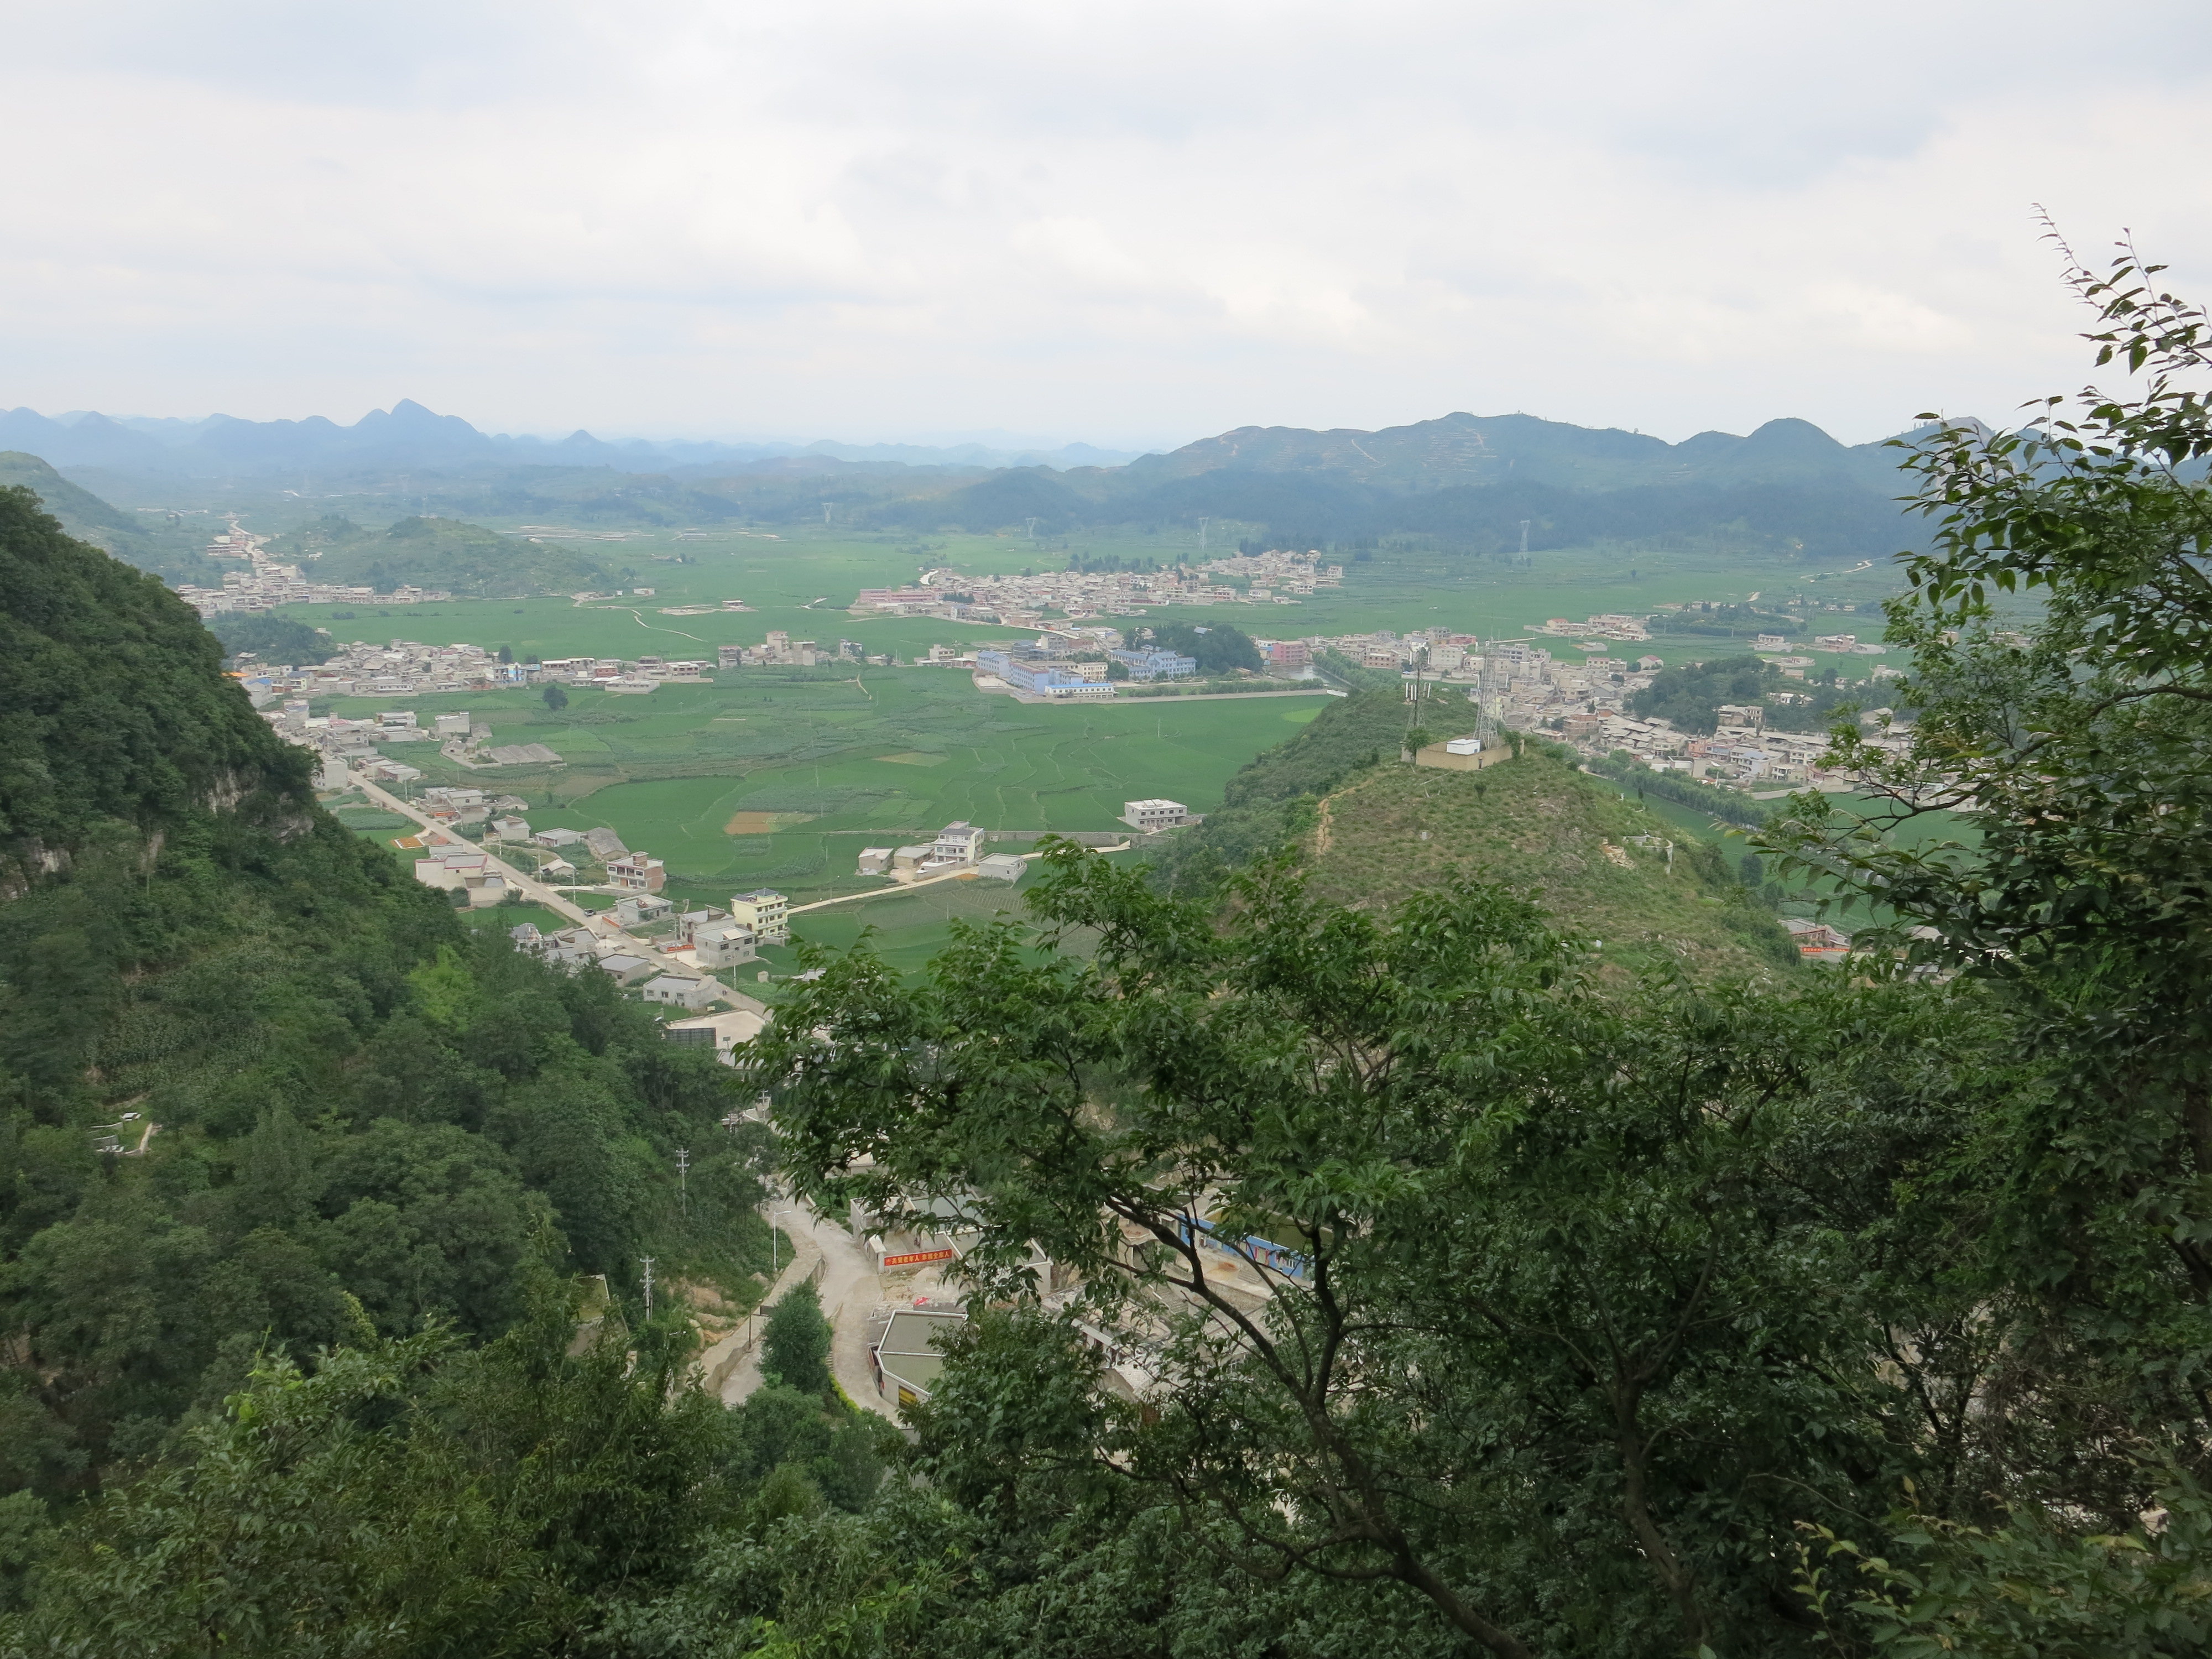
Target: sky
1131,226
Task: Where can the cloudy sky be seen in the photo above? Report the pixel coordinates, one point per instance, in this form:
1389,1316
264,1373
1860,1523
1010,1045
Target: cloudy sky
1133,225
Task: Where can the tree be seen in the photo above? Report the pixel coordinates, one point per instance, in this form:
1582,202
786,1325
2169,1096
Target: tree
409,1496
272,639
555,698
1218,648
796,1344
1408,1223
2075,742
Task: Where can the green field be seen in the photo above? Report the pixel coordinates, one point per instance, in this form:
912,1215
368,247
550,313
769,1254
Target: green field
780,781
778,778
801,581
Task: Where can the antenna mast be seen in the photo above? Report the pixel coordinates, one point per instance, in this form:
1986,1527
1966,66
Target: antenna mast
1485,691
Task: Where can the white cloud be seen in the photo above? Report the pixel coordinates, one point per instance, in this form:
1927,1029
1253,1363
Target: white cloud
1139,225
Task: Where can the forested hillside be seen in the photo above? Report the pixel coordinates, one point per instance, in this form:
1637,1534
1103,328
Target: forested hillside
259,1089
440,553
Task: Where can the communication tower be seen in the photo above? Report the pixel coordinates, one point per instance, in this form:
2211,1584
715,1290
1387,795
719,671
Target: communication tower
1487,694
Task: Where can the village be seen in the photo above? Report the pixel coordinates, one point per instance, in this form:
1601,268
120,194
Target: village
1077,594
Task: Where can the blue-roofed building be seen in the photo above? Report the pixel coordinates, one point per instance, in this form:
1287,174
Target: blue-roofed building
1154,663
1039,678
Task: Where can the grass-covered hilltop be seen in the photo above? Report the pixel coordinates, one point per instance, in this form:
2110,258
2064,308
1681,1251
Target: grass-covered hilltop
1409,1215
1371,831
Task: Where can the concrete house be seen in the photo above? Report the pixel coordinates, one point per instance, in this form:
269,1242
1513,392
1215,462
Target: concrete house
1157,814
957,843
676,991
766,912
643,909
725,946
876,860
1002,866
724,1033
637,873
625,970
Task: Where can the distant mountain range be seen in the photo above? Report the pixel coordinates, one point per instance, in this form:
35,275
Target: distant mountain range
408,436
1463,449
1470,483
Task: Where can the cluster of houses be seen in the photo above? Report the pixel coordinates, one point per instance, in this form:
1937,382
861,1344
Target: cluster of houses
400,669
265,583
960,847
780,650
1024,601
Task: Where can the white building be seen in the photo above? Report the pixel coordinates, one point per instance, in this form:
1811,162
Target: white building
724,1032
957,843
1002,866
1157,814
676,991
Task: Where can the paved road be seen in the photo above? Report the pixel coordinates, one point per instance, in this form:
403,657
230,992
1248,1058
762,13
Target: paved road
926,881
530,886
850,1291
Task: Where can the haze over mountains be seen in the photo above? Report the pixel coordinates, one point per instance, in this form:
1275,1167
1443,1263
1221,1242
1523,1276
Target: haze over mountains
1457,449
1460,483
408,434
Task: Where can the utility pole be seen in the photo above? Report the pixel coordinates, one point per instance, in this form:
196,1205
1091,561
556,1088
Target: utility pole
1203,520
682,1185
1524,542
648,1284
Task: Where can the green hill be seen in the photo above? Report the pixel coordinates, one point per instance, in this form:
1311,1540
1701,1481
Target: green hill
1537,825
446,553
1372,829
118,712
259,1091
80,513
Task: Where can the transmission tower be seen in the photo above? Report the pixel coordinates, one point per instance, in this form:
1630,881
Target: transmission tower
1524,542
682,1184
648,1284
1486,695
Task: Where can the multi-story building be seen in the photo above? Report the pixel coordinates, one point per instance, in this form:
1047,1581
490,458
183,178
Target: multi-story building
1041,677
767,913
634,873
957,843
1157,814
1155,663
